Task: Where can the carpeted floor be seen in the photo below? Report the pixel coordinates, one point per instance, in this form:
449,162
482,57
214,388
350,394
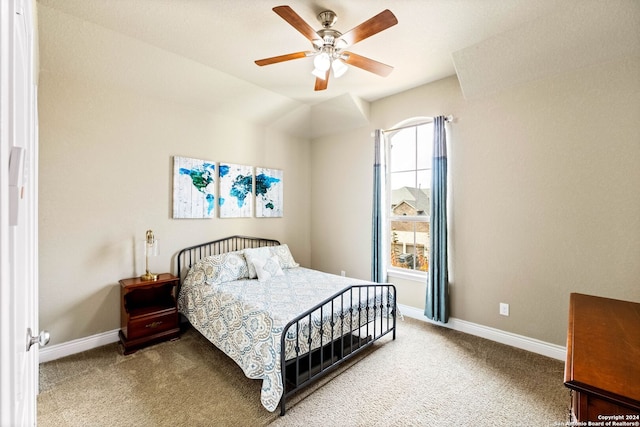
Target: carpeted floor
428,376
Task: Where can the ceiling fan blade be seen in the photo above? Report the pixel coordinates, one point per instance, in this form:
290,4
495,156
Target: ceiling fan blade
367,64
380,22
322,84
282,58
286,13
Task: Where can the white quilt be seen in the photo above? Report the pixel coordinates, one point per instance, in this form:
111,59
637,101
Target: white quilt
245,318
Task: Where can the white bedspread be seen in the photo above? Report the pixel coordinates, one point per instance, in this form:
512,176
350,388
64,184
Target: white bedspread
245,318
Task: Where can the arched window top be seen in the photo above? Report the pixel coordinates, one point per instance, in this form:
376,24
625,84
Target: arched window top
410,122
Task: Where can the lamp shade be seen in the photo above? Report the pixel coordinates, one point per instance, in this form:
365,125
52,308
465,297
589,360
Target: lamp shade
151,244
322,62
339,68
151,249
319,73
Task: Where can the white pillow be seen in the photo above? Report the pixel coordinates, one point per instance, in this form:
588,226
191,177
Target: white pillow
253,254
267,268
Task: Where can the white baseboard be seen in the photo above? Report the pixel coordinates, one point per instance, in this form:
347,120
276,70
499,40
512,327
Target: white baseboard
554,351
519,341
57,351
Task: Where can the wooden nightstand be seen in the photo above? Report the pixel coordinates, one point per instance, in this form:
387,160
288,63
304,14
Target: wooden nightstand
148,311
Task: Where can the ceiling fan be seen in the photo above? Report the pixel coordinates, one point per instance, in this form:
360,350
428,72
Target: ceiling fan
329,44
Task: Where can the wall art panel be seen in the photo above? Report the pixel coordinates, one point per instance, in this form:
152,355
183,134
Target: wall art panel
236,191
193,188
269,193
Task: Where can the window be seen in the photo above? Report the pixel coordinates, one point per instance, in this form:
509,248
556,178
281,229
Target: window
410,149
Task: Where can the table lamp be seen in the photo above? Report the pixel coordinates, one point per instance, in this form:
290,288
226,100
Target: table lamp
150,249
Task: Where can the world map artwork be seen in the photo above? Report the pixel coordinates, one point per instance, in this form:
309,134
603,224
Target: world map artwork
268,192
193,188
236,190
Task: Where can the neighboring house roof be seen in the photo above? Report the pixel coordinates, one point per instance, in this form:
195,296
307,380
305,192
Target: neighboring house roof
417,198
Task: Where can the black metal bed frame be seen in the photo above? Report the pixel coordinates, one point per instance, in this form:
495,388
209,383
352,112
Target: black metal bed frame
361,323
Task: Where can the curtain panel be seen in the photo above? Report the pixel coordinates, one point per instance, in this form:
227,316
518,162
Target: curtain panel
437,302
378,257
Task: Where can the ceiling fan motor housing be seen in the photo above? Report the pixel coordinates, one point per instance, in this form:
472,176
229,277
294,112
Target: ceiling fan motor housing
329,36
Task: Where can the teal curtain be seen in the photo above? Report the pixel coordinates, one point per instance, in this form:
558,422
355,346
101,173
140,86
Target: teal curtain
437,304
378,236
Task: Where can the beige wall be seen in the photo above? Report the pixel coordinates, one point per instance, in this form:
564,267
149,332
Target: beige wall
106,161
341,182
544,187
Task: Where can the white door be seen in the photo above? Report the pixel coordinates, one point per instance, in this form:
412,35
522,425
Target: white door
18,215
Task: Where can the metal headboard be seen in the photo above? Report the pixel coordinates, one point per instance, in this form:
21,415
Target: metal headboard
189,256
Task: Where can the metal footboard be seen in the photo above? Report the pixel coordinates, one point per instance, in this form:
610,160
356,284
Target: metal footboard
335,330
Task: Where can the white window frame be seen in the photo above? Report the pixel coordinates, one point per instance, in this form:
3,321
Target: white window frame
393,271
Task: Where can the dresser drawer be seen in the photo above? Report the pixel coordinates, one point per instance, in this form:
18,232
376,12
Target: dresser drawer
153,324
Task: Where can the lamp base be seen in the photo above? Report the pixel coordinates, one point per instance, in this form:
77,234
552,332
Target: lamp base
149,276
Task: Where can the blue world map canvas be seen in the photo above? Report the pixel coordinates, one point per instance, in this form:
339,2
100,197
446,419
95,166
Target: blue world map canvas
236,190
193,188
269,193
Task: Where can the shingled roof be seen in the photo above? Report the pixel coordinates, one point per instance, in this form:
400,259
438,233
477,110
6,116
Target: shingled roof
417,198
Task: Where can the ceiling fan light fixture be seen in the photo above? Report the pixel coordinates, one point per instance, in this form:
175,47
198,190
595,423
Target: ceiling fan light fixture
329,44
319,73
339,68
322,61
340,44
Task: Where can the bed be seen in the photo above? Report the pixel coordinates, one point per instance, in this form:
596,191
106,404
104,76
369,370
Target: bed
284,324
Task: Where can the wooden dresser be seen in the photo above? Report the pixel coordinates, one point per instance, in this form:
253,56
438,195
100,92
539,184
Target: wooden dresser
603,359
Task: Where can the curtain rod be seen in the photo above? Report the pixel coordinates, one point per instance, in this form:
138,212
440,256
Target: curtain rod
448,119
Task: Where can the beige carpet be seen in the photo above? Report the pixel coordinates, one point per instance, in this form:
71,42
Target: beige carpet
428,376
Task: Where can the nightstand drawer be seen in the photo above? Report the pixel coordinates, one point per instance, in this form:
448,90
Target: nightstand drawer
150,325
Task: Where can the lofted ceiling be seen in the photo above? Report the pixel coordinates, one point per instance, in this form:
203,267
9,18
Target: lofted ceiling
202,52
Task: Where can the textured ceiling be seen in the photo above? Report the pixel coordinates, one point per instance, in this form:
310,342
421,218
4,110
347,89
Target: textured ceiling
570,38
201,53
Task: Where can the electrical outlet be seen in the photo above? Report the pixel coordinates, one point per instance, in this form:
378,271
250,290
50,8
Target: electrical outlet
504,309
343,273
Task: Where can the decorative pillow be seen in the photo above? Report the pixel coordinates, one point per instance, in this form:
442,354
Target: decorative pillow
225,268
253,254
267,268
285,257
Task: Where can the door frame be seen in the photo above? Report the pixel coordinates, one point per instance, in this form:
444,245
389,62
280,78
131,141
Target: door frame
18,245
